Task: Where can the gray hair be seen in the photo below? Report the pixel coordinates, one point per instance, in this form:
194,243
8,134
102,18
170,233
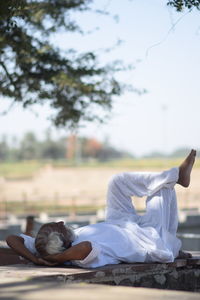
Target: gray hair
52,242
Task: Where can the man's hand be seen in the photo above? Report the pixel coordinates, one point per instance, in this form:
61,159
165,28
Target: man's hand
43,262
51,258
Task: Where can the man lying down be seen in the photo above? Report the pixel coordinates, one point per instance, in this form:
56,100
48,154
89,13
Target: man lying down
125,236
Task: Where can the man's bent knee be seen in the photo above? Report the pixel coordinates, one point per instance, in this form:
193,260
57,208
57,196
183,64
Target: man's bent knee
115,180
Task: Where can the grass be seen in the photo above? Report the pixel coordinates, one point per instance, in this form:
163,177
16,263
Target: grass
151,163
27,169
19,170
33,208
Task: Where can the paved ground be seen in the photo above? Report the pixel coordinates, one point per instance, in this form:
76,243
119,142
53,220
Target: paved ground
52,291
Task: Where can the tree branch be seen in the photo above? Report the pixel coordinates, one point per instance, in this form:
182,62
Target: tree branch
7,73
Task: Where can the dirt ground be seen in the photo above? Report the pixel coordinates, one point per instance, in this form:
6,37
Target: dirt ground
81,186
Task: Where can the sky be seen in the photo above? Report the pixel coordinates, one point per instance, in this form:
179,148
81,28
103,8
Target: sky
164,47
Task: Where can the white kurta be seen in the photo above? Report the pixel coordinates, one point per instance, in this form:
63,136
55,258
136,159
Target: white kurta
127,237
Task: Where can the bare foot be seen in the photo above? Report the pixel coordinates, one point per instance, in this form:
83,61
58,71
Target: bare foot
183,254
185,169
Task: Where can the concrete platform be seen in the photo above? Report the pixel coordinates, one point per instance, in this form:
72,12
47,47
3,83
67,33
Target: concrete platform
183,274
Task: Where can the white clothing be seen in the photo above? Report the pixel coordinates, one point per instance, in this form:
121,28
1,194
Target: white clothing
126,236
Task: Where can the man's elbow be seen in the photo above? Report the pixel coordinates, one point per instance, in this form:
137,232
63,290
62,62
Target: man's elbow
13,238
86,249
10,239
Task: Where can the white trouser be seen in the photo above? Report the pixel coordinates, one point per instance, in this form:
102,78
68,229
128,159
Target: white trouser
161,205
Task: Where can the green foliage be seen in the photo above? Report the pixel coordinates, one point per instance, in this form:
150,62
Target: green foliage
30,148
51,149
9,11
35,71
180,5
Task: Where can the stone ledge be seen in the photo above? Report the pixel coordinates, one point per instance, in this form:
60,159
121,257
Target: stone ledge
181,275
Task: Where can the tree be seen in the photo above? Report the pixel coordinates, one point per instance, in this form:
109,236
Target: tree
29,147
35,71
4,149
91,148
181,4
50,149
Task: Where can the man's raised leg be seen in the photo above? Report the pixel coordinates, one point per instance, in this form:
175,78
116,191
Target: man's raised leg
184,180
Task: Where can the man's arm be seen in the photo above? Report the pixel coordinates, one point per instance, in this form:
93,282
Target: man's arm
77,252
17,244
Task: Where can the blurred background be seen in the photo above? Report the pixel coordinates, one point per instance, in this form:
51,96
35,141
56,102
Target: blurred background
137,108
